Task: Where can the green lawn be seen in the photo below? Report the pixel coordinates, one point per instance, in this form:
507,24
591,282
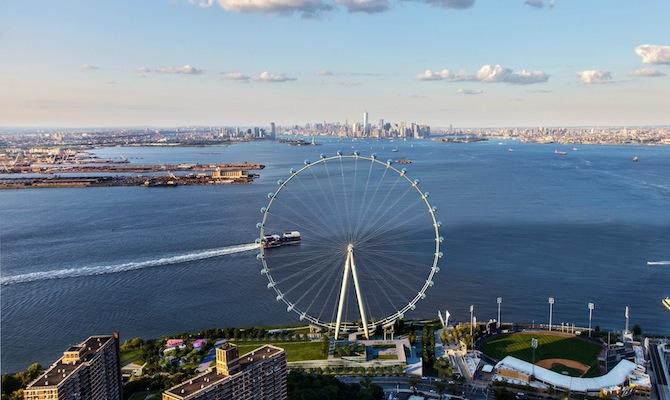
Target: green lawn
129,356
550,346
387,357
295,351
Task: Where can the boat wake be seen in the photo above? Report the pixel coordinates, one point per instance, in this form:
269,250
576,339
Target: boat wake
658,262
130,266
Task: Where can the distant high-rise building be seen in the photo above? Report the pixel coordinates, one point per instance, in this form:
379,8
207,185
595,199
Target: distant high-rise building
366,128
260,374
273,131
87,371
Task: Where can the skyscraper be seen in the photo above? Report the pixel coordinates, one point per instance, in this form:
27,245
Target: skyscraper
366,128
273,131
87,371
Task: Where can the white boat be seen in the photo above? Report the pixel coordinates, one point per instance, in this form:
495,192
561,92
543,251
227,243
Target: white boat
666,303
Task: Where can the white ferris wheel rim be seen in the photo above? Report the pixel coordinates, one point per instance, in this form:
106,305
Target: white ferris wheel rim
399,314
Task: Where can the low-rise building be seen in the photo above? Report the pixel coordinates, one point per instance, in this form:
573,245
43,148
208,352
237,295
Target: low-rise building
260,374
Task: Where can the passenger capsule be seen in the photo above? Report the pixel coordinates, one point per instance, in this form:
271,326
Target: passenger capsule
263,210
306,162
292,171
426,195
264,271
259,256
322,156
280,182
270,195
271,285
403,171
289,308
279,297
436,270
373,156
259,225
355,154
416,182
257,241
439,254
339,153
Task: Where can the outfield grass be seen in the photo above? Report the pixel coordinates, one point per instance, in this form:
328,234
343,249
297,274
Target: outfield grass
126,357
295,351
550,346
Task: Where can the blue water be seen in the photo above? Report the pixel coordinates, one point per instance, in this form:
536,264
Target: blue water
523,225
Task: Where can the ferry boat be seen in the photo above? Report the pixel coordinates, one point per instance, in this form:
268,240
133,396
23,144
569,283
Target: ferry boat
560,153
666,303
636,159
287,238
395,150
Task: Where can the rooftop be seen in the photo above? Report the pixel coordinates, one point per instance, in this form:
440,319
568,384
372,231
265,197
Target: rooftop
210,377
59,370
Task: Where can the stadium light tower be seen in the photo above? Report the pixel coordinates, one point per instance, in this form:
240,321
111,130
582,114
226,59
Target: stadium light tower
533,344
499,301
551,310
472,310
591,307
627,318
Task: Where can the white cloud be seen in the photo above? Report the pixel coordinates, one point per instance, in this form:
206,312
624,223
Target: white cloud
647,73
469,91
595,76
325,72
235,76
89,67
185,70
535,3
308,8
498,73
269,77
653,54
366,6
489,74
455,4
202,3
429,75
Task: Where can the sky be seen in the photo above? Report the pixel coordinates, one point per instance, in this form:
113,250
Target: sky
466,63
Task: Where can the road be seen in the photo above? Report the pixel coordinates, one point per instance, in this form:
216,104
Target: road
426,386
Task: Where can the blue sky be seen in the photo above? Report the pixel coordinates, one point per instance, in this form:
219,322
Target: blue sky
178,62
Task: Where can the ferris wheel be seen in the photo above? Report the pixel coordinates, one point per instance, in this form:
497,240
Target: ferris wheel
349,220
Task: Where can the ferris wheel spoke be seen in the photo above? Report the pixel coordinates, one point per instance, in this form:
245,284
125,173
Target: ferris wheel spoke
346,202
388,193
304,275
317,234
378,233
307,209
359,215
324,283
335,202
374,195
328,198
386,211
297,262
391,287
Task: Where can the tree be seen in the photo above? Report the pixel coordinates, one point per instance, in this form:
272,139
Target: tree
637,330
440,387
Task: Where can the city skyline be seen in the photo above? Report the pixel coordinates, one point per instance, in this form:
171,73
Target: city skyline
463,63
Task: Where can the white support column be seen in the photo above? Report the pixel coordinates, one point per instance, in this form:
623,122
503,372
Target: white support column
361,308
343,295
350,265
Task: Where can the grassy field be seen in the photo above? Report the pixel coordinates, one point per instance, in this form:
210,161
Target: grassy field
295,351
129,356
550,346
